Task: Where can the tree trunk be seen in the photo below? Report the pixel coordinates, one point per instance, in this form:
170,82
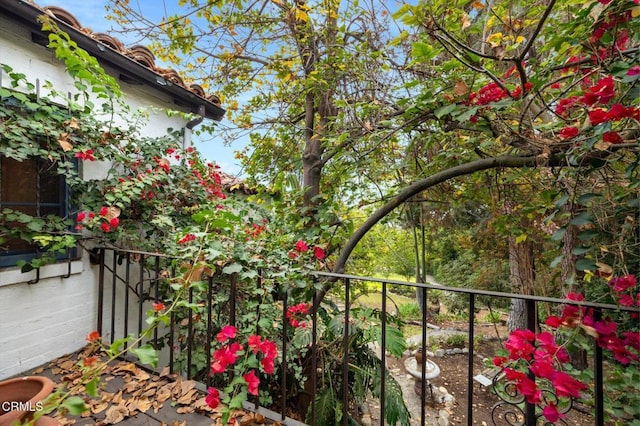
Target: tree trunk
522,267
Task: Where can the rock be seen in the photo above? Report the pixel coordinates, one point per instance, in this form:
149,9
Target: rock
457,351
366,420
440,353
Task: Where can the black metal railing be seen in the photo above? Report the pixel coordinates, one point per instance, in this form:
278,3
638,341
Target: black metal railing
130,281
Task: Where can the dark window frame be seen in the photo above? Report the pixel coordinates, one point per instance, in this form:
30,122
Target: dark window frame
61,206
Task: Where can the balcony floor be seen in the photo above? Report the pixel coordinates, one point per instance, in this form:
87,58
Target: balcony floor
132,396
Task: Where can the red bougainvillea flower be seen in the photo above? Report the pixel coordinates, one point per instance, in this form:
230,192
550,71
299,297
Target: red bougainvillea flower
597,116
520,345
626,300
81,216
252,382
213,397
186,239
623,283
114,222
104,211
565,105
569,132
612,137
224,357
301,246
269,349
94,336
296,312
86,155
548,343
105,227
525,385
268,365
553,321
602,92
551,413
255,343
158,306
227,332
318,252
566,385
89,361
499,361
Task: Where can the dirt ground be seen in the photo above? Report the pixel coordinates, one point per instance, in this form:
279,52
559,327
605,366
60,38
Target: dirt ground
454,373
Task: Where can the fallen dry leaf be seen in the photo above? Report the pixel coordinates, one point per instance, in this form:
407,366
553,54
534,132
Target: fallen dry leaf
115,414
184,410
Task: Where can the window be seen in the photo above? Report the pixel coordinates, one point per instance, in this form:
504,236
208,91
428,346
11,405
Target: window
33,187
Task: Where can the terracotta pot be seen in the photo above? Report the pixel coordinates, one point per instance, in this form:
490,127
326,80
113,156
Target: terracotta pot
19,398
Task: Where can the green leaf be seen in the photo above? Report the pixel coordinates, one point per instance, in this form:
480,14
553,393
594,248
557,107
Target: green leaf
232,268
146,354
583,218
444,110
92,387
586,265
588,235
559,234
75,405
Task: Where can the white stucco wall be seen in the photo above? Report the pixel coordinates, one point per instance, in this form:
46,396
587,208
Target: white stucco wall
39,322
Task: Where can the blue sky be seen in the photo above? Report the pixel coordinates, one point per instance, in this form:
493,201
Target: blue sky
91,14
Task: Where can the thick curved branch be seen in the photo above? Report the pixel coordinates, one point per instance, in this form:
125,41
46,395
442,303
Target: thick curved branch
505,161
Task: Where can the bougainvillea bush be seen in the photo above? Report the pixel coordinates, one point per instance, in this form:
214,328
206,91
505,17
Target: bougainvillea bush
539,367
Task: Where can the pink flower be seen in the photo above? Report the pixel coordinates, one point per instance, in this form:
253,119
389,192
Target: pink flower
93,336
597,116
81,216
551,413
499,361
104,211
520,345
227,332
612,137
213,397
634,70
268,365
105,227
186,239
569,132
626,300
623,283
602,92
114,222
255,343
553,321
566,385
252,382
301,246
318,252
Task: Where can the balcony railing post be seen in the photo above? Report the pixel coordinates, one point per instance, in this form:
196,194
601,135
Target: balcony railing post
127,278
100,290
423,365
314,353
345,348
598,377
471,335
532,323
283,382
383,347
